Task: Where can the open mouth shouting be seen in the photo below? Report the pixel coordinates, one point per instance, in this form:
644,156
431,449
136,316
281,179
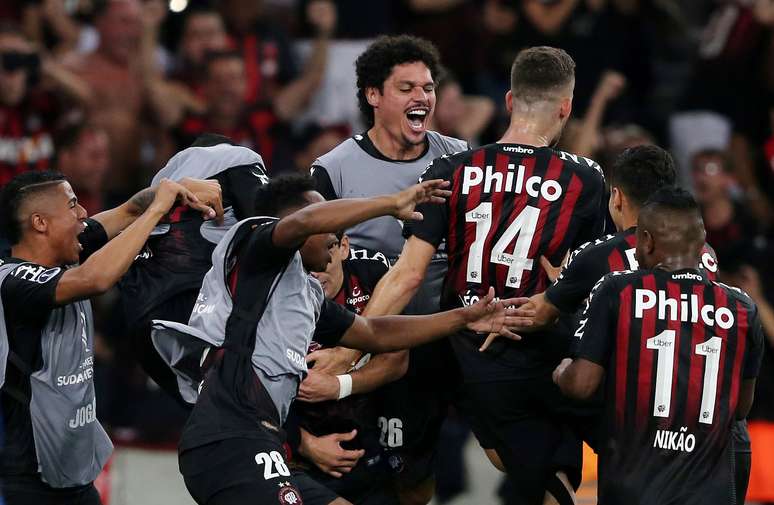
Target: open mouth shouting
417,118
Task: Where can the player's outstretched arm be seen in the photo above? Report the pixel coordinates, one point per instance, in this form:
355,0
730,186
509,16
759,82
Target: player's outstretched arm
392,333
106,266
208,194
330,217
396,288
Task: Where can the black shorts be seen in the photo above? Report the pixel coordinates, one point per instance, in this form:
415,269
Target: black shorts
411,411
31,490
245,470
529,423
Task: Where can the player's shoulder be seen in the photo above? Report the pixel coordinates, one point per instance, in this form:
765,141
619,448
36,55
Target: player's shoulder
736,294
618,280
25,272
440,144
336,157
605,244
583,166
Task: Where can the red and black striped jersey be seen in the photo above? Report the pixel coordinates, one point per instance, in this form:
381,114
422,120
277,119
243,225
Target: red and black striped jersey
593,260
675,347
362,271
510,205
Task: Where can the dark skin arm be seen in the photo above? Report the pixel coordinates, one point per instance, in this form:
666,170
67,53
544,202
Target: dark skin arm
117,219
105,267
329,217
392,333
578,378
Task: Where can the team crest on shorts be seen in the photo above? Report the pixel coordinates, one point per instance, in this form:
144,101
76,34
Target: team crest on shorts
289,495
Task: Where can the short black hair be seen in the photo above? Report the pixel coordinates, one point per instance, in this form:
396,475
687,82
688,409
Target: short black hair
538,72
211,57
15,193
672,198
212,139
375,65
641,171
281,193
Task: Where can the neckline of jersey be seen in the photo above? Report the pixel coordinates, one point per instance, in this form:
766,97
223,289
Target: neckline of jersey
365,143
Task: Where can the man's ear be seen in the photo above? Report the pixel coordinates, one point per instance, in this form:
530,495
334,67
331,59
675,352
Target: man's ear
649,243
509,102
372,96
565,108
618,198
344,242
38,222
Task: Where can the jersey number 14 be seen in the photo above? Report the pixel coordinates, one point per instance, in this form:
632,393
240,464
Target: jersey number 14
517,262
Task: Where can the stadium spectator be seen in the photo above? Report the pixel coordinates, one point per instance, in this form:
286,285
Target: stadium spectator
83,156
203,32
33,92
459,115
270,68
228,113
731,230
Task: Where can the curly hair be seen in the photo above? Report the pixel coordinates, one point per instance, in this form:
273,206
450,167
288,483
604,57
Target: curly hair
375,65
641,171
16,192
282,193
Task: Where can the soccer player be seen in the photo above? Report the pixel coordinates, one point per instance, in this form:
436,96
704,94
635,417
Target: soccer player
269,308
636,175
396,79
678,355
165,278
340,436
512,202
54,446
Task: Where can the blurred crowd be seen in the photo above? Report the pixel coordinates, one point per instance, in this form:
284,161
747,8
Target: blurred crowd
106,91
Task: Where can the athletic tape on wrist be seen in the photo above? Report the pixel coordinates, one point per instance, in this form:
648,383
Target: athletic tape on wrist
345,385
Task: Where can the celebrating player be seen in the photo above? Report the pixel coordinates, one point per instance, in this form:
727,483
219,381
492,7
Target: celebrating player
269,308
165,278
340,433
678,354
54,447
396,92
512,202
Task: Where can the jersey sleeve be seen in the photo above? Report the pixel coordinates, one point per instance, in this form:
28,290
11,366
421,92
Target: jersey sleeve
260,250
576,281
333,323
754,348
594,212
595,332
239,185
92,238
29,292
434,226
323,183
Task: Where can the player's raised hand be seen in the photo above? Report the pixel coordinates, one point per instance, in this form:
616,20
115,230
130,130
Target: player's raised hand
207,191
326,452
498,317
433,191
168,192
